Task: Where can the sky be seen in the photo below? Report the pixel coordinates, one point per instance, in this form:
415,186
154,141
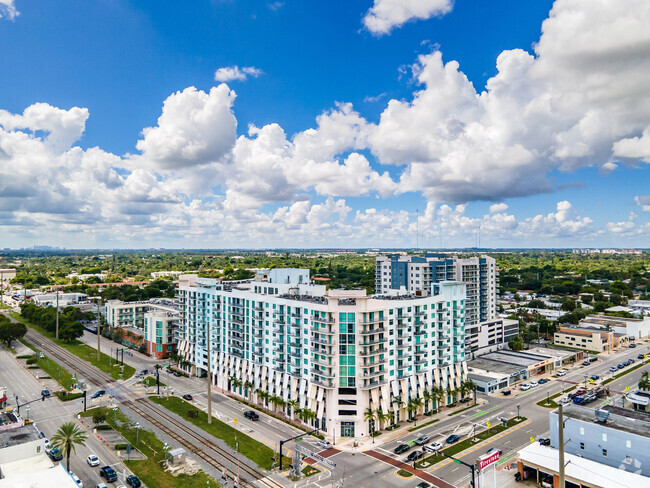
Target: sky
325,124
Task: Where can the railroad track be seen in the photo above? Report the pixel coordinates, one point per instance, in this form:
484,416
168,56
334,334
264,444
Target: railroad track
203,447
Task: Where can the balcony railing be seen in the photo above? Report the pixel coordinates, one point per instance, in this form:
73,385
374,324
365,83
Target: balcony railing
373,352
373,331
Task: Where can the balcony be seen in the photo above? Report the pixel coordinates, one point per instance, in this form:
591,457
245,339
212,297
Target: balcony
421,360
373,321
403,345
279,321
323,352
320,330
323,383
372,384
322,373
296,354
295,344
420,314
323,341
377,330
420,332
373,352
372,342
322,320
375,363
403,325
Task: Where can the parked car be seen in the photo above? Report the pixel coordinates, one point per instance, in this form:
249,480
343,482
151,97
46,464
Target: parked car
578,399
544,441
613,369
133,481
533,384
401,449
640,356
565,400
76,479
620,366
144,372
506,392
492,450
55,454
452,438
586,362
632,346
422,440
626,363
524,387
108,473
45,393
324,444
631,360
98,394
561,373
580,392
177,374
593,359
250,415
542,381
101,485
594,377
189,398
424,484
436,446
93,460
414,456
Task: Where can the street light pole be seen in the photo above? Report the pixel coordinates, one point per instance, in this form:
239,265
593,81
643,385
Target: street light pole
517,411
57,314
207,333
99,322
137,427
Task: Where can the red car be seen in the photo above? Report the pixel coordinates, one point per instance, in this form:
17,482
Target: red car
188,397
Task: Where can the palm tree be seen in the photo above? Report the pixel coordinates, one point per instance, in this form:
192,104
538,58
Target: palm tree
67,437
370,416
412,407
295,406
397,404
307,414
470,387
428,396
276,401
235,383
382,417
438,393
249,389
265,396
644,383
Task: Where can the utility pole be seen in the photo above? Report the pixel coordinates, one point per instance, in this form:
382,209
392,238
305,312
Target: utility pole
207,334
560,418
99,321
57,314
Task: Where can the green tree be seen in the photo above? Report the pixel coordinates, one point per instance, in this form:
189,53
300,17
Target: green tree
644,383
369,415
516,344
10,331
67,438
99,415
71,331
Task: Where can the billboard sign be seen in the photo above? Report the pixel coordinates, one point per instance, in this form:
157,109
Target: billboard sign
487,459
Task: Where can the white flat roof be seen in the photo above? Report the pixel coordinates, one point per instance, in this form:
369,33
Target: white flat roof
581,469
35,472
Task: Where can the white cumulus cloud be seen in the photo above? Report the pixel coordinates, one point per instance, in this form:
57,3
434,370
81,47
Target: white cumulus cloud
8,10
385,15
235,73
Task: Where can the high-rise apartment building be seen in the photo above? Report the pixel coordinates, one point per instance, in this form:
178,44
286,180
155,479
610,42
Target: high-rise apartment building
398,274
334,352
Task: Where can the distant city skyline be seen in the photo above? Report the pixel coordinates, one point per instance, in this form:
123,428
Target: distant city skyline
426,124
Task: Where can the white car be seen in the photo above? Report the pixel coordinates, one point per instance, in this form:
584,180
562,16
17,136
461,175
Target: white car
76,479
565,400
561,373
324,444
436,445
533,384
525,387
93,460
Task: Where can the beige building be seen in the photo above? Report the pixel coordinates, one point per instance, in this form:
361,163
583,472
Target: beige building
589,339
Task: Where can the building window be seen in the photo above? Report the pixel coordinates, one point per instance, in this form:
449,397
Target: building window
628,444
604,437
582,446
582,431
605,452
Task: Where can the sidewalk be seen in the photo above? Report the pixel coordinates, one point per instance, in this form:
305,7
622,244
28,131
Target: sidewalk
365,444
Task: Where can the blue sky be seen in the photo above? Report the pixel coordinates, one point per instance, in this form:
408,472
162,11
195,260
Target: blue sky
366,116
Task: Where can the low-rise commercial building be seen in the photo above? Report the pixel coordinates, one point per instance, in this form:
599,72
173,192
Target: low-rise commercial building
159,333
587,339
613,436
633,328
491,335
64,299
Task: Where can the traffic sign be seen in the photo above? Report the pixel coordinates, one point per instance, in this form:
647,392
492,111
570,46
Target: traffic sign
627,388
532,440
234,421
488,424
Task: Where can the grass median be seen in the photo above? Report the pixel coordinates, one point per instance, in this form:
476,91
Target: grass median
249,447
470,441
151,470
53,369
82,351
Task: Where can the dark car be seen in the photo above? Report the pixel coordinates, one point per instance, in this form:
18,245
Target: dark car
640,356
632,346
580,392
542,381
578,399
506,392
452,438
585,363
424,484
620,366
592,359
133,481
144,372
544,441
177,374
55,454
98,394
401,449
250,415
414,456
594,377
188,397
492,450
45,393
631,360
108,473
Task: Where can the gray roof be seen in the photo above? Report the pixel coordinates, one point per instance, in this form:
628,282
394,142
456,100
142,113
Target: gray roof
493,366
18,435
623,419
